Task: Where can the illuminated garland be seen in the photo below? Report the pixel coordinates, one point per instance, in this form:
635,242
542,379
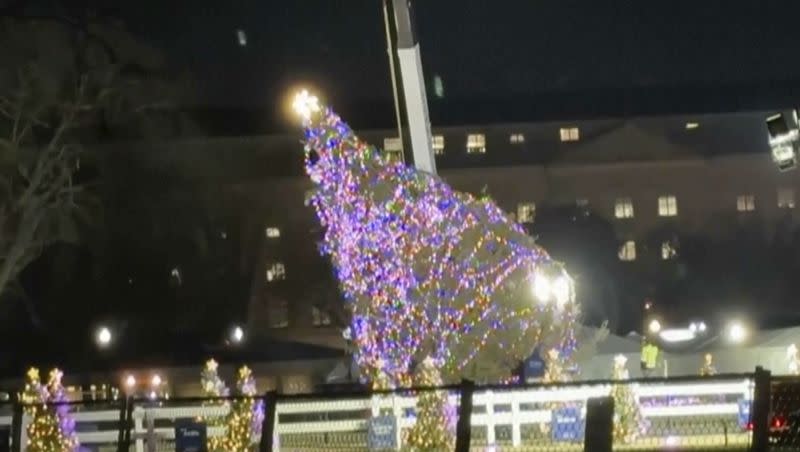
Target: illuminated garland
427,270
51,428
239,432
213,386
434,428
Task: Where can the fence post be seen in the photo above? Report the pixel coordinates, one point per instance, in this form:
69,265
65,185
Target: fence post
268,425
129,424
123,425
759,414
599,432
16,426
464,424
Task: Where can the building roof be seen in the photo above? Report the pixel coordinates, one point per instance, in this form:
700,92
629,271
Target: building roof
626,143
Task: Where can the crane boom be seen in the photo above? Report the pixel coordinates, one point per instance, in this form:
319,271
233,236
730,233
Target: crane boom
413,82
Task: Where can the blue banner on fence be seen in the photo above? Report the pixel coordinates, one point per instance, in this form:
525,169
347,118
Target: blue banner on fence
190,437
744,412
382,433
567,424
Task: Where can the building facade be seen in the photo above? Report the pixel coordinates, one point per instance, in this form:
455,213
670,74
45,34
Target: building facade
652,181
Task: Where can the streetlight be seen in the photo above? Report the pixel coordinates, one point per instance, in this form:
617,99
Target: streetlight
541,288
737,332
103,337
237,335
655,326
130,382
558,288
155,381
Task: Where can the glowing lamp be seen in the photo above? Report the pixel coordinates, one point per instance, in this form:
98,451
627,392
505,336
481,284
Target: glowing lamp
654,326
737,332
103,337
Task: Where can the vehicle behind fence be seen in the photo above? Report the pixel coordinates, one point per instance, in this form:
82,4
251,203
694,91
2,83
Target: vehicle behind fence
725,412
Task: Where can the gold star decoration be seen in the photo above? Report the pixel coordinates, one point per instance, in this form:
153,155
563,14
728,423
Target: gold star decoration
212,365
55,377
33,374
244,372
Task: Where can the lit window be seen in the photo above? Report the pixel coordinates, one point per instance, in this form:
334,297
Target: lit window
668,250
526,212
272,232
627,252
276,272
438,144
570,134
241,36
516,138
393,147
176,276
692,125
582,203
745,203
279,313
476,143
667,206
623,208
786,198
320,317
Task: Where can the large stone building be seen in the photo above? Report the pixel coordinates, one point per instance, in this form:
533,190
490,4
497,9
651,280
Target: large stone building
652,182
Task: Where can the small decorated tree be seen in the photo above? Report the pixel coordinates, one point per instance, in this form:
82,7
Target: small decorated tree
213,386
628,419
51,428
239,434
433,428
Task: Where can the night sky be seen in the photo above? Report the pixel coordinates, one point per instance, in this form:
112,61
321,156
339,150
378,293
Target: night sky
481,50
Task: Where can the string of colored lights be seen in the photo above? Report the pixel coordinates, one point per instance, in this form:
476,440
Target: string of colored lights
426,270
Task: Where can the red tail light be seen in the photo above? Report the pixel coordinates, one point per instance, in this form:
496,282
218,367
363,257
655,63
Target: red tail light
778,422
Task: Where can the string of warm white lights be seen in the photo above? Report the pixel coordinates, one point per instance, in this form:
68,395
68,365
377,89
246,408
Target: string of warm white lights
427,271
51,427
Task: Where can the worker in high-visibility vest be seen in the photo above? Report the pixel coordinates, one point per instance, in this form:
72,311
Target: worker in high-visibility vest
649,357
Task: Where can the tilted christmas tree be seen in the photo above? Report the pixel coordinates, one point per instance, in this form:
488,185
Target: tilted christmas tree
51,428
239,433
434,427
427,270
213,386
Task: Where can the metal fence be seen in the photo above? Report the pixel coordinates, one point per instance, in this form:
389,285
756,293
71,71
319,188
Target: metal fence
738,412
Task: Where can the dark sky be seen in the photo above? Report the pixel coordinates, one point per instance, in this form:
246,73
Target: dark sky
481,49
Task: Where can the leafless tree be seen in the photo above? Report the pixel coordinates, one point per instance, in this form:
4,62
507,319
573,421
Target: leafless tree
40,154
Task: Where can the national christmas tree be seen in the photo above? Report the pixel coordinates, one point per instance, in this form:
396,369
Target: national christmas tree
427,271
433,429
239,433
628,420
213,386
51,428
